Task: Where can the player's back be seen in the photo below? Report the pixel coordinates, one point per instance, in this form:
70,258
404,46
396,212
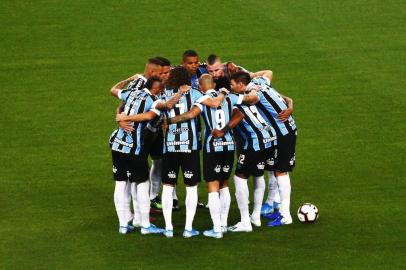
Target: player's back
136,102
217,118
181,137
253,129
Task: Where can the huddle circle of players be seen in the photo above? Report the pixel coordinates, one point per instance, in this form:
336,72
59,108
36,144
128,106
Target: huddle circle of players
159,116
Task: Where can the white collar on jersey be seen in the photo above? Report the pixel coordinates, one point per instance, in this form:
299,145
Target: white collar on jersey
211,91
140,76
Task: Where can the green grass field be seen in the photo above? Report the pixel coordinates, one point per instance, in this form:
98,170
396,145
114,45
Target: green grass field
343,62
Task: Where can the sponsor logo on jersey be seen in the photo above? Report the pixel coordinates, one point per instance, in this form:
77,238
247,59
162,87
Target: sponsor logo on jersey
178,143
268,140
221,143
179,130
117,140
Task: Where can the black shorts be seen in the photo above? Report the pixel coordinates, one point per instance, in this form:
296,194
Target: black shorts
251,163
130,167
217,165
188,162
154,142
285,153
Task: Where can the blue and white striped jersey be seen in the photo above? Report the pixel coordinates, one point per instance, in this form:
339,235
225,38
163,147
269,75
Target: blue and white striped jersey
181,137
218,118
254,130
135,102
270,104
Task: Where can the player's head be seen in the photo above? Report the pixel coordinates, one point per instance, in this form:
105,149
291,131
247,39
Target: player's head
215,67
154,85
152,68
206,83
239,81
178,76
165,68
190,61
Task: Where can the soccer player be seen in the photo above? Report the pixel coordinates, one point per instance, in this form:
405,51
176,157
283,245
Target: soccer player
155,142
218,153
133,83
222,72
181,150
190,61
130,160
258,143
276,110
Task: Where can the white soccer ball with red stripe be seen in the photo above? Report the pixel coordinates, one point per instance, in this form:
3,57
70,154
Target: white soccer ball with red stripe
308,213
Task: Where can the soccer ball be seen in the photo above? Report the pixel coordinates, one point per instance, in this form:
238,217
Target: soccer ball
307,213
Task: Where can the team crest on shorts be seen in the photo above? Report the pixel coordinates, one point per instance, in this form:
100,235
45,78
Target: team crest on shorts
188,174
114,169
261,166
217,169
128,174
270,161
172,175
226,169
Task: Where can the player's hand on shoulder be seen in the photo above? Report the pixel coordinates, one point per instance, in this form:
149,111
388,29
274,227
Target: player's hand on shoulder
184,88
217,133
232,68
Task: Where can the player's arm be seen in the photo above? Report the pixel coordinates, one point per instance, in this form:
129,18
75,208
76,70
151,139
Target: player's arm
125,125
168,105
214,102
251,98
235,119
141,117
284,115
192,113
118,87
263,73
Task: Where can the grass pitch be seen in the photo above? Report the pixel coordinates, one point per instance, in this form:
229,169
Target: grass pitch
342,62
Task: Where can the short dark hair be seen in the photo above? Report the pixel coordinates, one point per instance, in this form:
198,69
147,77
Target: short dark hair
241,76
212,59
178,76
189,53
154,61
164,62
150,82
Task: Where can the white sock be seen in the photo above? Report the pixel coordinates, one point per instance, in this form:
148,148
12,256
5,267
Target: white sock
119,202
167,203
214,207
175,197
273,192
284,191
156,177
129,215
242,196
191,204
225,201
137,214
259,190
143,203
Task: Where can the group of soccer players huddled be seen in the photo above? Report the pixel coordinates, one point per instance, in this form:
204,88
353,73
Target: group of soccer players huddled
160,117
